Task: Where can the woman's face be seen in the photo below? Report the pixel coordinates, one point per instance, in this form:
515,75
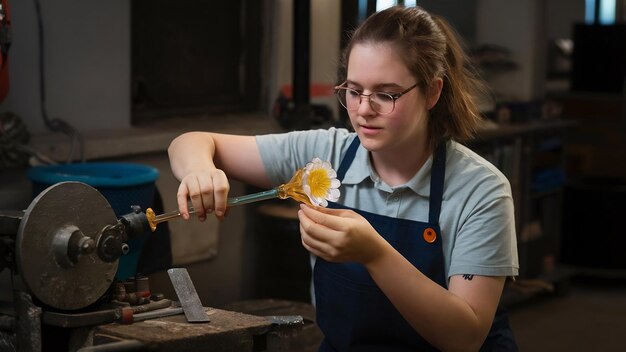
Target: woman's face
378,68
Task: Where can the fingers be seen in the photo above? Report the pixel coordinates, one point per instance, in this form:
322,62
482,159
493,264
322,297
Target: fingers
190,189
313,238
331,218
181,199
207,191
338,235
221,187
313,250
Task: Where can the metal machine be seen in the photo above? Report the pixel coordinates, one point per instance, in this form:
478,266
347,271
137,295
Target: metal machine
63,253
61,256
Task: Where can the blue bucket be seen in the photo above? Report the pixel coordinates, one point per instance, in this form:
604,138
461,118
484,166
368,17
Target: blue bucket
122,184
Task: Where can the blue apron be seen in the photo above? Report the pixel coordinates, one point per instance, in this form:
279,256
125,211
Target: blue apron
355,315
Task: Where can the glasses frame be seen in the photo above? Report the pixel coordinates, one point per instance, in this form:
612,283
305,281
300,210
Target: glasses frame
394,97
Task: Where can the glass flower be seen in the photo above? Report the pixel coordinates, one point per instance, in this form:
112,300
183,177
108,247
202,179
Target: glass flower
320,183
314,184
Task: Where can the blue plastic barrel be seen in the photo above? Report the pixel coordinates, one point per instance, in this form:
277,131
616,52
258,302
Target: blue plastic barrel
122,184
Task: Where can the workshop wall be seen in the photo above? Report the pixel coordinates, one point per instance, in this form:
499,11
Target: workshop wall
87,63
87,59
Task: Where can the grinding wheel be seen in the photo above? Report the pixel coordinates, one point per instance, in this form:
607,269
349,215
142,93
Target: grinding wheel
54,219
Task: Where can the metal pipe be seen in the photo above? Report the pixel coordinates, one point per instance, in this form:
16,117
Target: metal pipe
124,345
301,52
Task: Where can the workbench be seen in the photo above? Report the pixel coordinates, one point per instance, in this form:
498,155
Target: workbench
227,331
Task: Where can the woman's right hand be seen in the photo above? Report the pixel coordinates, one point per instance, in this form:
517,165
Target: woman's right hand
201,160
208,191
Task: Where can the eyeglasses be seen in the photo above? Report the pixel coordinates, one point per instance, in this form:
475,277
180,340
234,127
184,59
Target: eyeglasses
380,102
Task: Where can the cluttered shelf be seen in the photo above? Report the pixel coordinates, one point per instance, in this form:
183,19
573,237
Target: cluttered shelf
492,131
533,157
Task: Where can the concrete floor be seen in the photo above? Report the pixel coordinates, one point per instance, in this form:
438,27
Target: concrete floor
589,316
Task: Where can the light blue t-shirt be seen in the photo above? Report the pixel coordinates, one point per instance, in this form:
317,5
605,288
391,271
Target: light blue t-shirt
477,215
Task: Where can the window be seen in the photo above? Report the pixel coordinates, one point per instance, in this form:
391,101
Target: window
605,9
192,57
384,4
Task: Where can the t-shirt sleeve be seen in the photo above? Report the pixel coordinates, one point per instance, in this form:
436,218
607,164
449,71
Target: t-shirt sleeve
486,243
284,153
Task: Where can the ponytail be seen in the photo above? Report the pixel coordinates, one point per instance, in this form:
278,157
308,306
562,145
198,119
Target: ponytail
462,89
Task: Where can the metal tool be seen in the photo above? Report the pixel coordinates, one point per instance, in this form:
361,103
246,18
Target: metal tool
164,312
286,319
187,295
57,246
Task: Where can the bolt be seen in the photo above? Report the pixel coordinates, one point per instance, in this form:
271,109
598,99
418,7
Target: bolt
86,245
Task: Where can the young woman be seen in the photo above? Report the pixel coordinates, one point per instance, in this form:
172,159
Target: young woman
415,253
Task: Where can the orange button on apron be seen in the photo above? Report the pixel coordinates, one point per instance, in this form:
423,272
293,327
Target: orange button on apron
430,235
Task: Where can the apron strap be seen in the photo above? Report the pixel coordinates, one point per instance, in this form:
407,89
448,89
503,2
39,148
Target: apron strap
437,177
347,159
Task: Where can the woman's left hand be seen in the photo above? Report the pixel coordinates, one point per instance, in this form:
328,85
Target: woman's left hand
339,235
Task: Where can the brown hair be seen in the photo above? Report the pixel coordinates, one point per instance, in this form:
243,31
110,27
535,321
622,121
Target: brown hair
430,48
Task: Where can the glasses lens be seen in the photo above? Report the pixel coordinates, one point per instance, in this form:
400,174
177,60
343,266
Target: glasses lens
382,103
349,98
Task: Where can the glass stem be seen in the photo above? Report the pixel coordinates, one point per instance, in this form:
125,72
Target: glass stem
167,216
232,201
251,198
